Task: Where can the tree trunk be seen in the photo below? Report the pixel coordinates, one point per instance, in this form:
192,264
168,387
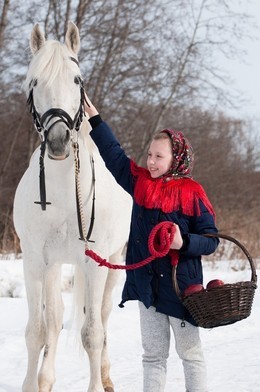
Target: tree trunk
3,21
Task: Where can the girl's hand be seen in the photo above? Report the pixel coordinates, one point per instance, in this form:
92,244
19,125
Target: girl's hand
89,107
177,240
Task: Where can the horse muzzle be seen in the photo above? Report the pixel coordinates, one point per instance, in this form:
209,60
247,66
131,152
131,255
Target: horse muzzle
58,143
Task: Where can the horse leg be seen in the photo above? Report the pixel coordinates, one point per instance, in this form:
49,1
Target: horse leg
35,329
106,310
92,332
53,318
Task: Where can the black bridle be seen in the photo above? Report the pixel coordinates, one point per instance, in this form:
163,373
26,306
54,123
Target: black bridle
43,126
39,121
57,112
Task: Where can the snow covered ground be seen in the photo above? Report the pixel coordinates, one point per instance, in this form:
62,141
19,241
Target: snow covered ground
232,352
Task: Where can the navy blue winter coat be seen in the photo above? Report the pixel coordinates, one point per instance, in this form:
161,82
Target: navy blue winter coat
152,284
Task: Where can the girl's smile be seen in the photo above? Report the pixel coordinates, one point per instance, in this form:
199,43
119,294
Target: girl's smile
159,159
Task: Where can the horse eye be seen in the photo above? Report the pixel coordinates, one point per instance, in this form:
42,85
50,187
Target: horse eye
76,80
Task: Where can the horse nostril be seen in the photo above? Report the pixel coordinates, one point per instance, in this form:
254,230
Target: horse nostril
67,138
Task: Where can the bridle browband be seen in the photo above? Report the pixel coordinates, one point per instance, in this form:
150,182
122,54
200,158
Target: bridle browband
43,126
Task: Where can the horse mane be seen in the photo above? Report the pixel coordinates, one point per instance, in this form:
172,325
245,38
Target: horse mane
48,64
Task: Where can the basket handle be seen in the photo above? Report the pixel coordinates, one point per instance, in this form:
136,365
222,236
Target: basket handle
242,247
226,237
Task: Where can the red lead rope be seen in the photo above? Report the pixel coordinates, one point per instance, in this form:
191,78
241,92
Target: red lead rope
159,243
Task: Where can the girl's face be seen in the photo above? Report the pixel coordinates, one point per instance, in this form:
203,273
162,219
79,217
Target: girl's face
159,159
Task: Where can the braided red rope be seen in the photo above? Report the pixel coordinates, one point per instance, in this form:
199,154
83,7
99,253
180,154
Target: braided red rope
159,243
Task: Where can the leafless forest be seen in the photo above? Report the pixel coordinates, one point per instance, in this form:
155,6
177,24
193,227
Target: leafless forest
147,64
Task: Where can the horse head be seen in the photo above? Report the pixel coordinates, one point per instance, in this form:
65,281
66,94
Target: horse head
55,91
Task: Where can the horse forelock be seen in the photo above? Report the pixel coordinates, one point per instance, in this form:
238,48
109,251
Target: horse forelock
50,62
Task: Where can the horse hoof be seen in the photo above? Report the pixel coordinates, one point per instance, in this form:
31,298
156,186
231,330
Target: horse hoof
109,389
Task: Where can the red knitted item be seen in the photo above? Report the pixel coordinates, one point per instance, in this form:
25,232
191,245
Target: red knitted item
159,243
181,194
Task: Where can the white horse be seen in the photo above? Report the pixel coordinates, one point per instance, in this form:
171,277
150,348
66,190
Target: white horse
49,233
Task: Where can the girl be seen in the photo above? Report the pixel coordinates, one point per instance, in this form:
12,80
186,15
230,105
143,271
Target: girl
165,191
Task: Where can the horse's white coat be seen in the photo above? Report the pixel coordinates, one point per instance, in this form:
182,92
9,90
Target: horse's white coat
50,238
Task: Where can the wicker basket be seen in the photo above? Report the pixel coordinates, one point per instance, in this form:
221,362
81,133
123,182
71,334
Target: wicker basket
221,305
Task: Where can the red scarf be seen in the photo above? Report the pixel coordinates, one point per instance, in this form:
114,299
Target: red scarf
181,194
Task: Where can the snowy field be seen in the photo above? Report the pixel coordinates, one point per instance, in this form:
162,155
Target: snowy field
232,352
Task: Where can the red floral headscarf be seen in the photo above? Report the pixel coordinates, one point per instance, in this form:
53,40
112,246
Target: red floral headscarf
182,155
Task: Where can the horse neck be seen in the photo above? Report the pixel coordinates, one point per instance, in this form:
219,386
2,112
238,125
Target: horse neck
85,138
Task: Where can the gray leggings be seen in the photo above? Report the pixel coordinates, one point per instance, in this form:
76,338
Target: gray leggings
155,331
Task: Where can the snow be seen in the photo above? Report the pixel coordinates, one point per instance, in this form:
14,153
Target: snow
232,352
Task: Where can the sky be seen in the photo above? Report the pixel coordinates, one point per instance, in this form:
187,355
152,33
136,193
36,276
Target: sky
232,352
246,71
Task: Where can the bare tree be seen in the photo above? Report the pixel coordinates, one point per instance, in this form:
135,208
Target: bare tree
147,65
195,34
3,20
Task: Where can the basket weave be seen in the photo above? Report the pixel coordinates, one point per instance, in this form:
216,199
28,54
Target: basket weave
221,305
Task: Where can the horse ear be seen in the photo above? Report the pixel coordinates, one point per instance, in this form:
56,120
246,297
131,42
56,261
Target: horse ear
72,38
37,39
